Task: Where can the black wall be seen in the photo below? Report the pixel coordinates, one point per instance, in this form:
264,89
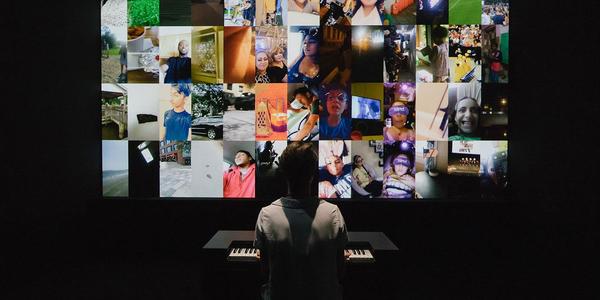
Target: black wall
62,239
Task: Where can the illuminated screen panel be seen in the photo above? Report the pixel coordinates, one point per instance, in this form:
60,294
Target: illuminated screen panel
408,101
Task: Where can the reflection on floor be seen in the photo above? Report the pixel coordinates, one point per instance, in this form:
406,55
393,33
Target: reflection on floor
432,187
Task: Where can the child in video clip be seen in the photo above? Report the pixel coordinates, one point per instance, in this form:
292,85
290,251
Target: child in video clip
335,178
398,182
304,6
303,115
334,125
365,177
439,54
239,179
495,58
179,68
398,131
464,121
177,120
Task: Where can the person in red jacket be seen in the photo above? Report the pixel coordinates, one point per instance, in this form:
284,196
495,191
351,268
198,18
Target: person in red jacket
238,180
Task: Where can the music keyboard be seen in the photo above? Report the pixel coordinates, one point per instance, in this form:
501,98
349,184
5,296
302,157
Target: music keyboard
248,254
242,254
361,256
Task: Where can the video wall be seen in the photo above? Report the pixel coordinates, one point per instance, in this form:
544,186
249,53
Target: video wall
401,99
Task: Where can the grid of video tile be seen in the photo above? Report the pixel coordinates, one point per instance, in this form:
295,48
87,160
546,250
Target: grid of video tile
401,99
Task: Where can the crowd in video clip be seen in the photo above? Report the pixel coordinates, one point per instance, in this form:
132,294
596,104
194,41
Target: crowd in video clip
399,99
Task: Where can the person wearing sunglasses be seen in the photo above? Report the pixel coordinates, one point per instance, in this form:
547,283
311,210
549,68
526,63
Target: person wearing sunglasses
398,131
332,124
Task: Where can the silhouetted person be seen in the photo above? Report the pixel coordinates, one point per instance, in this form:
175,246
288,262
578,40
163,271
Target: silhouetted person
300,238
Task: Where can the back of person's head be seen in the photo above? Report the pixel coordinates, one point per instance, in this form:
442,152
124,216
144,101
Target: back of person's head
439,33
298,163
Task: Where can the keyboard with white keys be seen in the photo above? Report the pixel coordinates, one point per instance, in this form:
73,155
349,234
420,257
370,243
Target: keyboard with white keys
361,255
248,254
242,254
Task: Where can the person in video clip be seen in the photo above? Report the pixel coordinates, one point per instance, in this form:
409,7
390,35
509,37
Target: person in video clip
439,54
239,179
300,239
177,120
333,125
365,177
399,131
464,121
335,177
398,181
306,68
277,70
303,115
179,68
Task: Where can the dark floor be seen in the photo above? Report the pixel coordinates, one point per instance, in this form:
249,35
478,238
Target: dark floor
175,13
207,13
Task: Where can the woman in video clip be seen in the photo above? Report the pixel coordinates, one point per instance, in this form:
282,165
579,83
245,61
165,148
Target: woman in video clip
365,177
277,69
262,62
368,12
463,124
306,68
398,181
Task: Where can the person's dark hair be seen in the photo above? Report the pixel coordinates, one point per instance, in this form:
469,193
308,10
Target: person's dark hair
453,127
439,32
252,161
378,7
298,162
182,88
374,106
354,158
302,91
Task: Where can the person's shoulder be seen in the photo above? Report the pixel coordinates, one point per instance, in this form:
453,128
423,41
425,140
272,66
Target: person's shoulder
347,168
328,206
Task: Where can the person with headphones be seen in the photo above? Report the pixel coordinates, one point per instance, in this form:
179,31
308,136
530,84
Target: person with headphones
239,179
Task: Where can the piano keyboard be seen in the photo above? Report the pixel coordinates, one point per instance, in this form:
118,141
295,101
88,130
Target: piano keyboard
242,254
361,255
248,254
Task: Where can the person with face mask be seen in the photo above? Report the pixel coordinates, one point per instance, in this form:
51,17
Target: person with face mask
464,120
179,68
303,115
